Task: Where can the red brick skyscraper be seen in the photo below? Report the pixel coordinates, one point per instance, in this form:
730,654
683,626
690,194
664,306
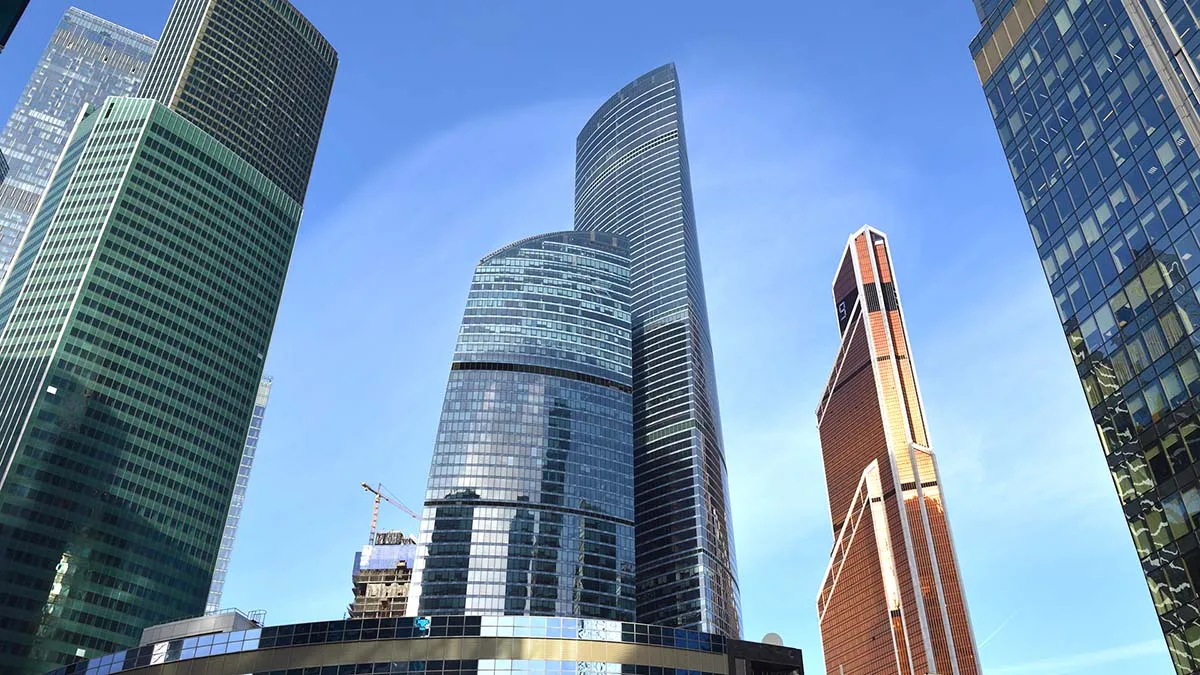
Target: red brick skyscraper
891,600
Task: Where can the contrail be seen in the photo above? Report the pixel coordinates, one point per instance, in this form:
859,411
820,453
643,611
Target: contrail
997,631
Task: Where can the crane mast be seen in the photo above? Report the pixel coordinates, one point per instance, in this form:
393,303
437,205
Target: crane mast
380,495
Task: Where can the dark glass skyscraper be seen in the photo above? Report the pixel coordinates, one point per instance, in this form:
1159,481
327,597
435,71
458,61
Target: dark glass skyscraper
10,14
1095,102
140,309
213,64
631,179
529,507
88,60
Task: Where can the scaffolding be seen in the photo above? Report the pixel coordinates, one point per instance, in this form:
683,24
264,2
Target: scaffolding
382,574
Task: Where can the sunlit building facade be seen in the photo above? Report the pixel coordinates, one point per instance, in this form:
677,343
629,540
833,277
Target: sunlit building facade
529,505
234,517
1095,104
891,600
205,41
88,60
632,179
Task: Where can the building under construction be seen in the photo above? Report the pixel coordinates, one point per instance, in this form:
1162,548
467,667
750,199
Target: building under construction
382,571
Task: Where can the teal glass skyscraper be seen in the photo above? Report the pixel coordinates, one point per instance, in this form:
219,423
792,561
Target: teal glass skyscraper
529,506
632,179
1095,103
88,60
139,312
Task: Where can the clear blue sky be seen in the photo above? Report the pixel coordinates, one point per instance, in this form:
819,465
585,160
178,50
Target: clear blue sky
451,132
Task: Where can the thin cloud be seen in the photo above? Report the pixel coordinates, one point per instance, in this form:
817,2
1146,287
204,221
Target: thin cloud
365,334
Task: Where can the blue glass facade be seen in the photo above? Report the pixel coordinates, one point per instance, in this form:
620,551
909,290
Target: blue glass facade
529,506
88,60
225,553
1094,106
631,178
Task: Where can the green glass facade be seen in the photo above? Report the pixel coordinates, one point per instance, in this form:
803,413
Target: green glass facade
128,370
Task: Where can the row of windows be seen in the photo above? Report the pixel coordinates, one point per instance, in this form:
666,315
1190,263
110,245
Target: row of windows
105,273
187,261
214,366
217,378
183,198
168,184
133,540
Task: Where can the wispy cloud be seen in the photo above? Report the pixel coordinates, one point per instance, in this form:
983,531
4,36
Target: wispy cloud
1074,663
1007,415
366,331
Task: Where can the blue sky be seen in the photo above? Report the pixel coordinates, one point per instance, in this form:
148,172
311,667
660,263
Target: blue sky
451,132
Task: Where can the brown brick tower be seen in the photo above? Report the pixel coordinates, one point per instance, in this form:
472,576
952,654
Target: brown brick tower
891,600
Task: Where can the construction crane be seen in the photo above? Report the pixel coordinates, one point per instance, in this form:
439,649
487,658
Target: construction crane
380,493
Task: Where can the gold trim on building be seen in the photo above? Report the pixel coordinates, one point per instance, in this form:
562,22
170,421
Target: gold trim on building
442,649
1015,23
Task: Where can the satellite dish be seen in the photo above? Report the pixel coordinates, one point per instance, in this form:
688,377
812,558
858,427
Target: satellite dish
772,639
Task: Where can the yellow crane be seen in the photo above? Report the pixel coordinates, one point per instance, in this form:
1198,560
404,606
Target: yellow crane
380,493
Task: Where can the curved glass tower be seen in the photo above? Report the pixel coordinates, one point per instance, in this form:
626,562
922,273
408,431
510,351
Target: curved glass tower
631,178
529,506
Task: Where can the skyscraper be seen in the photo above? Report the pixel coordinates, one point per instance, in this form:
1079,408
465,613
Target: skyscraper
1095,103
206,42
88,60
891,600
234,517
10,14
140,310
632,179
529,506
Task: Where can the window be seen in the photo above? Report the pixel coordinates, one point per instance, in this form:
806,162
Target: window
1159,464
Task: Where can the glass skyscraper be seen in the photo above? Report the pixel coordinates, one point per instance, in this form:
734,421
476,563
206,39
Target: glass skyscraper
632,179
225,554
892,599
88,60
1095,102
529,508
140,309
207,40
